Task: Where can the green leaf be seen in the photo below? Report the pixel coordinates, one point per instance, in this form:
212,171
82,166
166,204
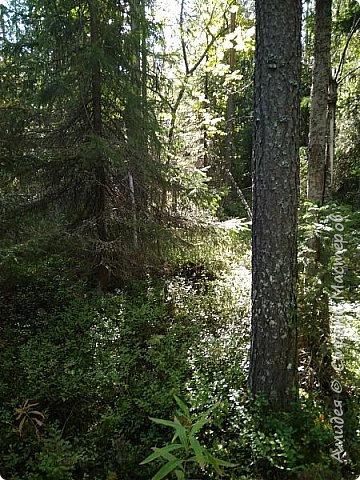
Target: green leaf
213,461
161,452
199,424
223,463
167,468
204,418
166,423
169,456
217,462
179,475
181,431
195,445
184,408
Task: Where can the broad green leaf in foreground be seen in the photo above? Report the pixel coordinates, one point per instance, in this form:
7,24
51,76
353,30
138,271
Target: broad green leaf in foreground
167,468
161,452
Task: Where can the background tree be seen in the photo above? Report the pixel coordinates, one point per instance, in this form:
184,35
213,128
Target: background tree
318,134
204,99
342,135
93,165
319,189
324,95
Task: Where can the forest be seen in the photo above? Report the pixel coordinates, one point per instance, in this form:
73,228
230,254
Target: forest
179,239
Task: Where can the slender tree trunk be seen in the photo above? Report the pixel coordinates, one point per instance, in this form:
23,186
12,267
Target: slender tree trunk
238,192
319,103
205,133
230,104
100,171
330,150
307,32
144,72
273,360
100,186
135,112
317,325
133,206
230,125
96,69
2,21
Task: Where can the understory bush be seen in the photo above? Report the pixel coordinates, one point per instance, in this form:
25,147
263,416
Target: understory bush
95,367
83,372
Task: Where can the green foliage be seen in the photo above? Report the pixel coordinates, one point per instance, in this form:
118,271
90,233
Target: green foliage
347,171
294,441
98,365
292,445
189,450
56,460
317,223
82,371
316,286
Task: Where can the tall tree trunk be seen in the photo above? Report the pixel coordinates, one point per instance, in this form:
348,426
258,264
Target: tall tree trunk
331,130
96,69
230,126
319,103
100,174
206,97
100,186
144,71
317,325
135,116
230,104
273,361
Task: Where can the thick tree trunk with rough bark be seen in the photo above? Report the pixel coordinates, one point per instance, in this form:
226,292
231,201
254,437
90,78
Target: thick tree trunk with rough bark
273,362
319,103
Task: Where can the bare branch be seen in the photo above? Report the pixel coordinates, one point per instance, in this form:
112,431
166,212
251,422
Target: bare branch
340,68
349,74
183,42
190,70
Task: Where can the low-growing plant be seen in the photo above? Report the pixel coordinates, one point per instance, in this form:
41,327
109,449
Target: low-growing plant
188,448
27,416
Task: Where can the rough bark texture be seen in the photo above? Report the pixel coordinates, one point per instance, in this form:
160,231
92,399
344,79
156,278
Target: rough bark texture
317,325
319,102
273,362
331,129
